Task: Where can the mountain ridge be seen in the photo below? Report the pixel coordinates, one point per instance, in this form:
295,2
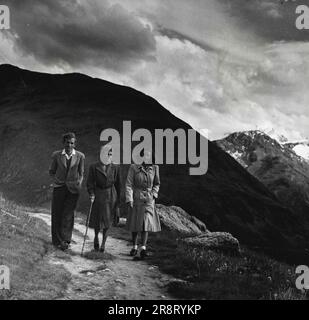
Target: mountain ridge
275,164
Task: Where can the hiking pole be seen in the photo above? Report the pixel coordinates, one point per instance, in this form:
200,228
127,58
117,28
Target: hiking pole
87,225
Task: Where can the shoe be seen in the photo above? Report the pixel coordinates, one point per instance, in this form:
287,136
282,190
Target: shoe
64,246
102,249
133,252
143,254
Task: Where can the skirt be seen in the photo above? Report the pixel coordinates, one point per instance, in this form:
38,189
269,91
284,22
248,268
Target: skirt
104,212
143,217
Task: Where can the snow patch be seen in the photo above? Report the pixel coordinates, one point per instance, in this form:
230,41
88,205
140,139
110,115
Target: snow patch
302,150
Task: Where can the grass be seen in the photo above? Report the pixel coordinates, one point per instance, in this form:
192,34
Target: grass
204,274
23,247
214,275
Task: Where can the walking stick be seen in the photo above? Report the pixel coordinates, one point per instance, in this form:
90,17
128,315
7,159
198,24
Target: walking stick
87,225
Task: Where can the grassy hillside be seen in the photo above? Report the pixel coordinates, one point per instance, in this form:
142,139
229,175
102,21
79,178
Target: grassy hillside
24,244
214,275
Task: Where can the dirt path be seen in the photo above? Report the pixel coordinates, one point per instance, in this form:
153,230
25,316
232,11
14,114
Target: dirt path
112,275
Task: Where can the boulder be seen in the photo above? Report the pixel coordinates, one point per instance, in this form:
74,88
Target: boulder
178,221
219,241
201,225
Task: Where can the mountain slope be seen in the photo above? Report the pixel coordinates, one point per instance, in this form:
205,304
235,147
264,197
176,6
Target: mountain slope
36,108
276,165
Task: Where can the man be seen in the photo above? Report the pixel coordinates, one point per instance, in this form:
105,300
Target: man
67,170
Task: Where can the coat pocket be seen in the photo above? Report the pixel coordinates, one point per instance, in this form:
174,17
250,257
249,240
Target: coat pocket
146,196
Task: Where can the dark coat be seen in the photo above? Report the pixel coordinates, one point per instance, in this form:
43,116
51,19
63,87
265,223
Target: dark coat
104,183
142,187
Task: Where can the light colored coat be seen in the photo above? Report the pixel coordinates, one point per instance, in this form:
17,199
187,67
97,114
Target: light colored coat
142,187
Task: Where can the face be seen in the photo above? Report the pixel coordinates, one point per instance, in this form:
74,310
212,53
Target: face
69,145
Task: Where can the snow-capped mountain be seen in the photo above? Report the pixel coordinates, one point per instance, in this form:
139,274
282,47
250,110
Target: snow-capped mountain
281,166
279,137
246,146
300,147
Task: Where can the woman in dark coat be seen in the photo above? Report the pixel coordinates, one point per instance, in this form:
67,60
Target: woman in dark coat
142,187
103,186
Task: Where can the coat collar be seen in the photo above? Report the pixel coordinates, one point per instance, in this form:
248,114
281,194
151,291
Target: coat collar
105,170
67,156
145,169
64,158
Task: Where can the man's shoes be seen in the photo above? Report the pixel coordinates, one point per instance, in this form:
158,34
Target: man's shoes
133,252
143,254
64,245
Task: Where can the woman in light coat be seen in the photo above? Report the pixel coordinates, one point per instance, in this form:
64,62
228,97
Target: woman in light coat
103,186
142,187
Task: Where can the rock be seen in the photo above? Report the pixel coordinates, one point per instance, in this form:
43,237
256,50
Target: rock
178,284
120,281
201,225
152,267
177,220
221,241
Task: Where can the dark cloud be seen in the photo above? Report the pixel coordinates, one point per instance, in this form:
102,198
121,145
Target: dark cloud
273,20
173,34
80,33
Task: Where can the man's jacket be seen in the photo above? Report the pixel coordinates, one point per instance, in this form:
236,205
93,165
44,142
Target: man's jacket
73,176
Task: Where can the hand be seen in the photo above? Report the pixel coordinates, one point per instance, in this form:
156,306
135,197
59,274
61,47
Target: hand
154,195
92,197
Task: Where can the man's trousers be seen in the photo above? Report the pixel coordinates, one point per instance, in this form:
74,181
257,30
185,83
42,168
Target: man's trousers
63,206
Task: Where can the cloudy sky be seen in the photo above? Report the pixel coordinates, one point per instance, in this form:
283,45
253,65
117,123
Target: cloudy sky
221,65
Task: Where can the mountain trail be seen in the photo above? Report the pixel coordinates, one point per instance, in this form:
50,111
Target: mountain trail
112,275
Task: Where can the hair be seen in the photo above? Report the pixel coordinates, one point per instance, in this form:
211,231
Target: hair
68,135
